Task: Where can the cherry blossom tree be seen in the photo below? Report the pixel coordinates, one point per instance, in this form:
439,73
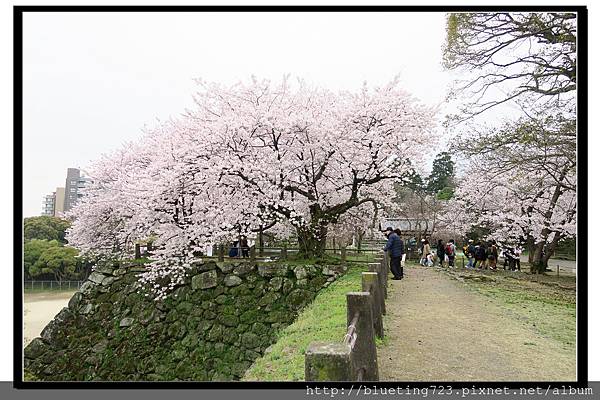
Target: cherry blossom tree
521,183
248,157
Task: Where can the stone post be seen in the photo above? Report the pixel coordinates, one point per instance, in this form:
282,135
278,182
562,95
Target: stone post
221,253
327,362
364,353
378,268
370,283
284,252
385,270
138,254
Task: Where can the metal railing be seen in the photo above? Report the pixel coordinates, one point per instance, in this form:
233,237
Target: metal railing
52,285
355,358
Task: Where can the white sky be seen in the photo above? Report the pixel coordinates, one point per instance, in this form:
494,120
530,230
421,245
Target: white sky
92,80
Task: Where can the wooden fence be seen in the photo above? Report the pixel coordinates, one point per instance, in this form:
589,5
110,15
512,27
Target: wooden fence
355,357
345,254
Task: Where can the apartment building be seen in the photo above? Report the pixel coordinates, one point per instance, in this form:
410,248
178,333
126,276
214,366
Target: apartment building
64,198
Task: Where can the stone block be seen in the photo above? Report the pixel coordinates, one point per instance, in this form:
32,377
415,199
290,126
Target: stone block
327,362
276,283
205,280
270,270
125,322
250,340
300,272
75,300
35,348
108,280
225,267
244,269
232,280
96,277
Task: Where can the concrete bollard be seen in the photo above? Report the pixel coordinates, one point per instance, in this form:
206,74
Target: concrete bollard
364,353
327,362
370,283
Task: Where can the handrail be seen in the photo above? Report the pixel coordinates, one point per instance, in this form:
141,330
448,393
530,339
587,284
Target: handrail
350,337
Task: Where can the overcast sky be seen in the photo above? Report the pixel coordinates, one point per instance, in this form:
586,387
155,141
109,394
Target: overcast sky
93,80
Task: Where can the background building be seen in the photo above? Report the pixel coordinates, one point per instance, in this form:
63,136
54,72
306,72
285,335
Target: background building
64,198
59,204
73,187
49,204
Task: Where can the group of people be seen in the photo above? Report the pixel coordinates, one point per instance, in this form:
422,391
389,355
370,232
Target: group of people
240,248
480,255
484,255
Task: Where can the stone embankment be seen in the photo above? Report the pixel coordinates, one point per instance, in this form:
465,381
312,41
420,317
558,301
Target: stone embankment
210,328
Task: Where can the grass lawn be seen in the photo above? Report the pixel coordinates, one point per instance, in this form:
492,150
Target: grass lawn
545,303
323,320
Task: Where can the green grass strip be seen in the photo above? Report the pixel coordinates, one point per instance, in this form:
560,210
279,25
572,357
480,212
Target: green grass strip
323,320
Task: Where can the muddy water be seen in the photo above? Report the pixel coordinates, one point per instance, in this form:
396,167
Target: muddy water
39,309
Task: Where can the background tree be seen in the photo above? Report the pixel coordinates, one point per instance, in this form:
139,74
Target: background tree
45,228
522,184
529,57
33,250
59,261
441,179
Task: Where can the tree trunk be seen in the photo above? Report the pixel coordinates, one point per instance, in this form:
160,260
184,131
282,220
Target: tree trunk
312,241
360,239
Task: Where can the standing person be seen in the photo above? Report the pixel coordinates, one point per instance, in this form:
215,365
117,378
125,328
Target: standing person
440,251
517,251
509,258
480,255
394,247
451,253
426,251
244,246
470,253
399,233
493,254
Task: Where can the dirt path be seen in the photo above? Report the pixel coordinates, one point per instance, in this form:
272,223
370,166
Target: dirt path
439,331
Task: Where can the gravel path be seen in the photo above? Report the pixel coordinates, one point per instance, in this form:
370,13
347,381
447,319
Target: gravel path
439,331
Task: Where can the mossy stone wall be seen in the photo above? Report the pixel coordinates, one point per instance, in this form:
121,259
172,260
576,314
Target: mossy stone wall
210,328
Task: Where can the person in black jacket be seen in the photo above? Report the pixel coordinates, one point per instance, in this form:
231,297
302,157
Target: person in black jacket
480,256
441,253
470,253
394,246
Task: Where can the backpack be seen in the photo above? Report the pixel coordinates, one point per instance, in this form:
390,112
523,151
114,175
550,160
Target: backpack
449,249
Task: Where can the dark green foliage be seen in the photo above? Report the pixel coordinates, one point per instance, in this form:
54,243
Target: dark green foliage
45,228
441,179
59,261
